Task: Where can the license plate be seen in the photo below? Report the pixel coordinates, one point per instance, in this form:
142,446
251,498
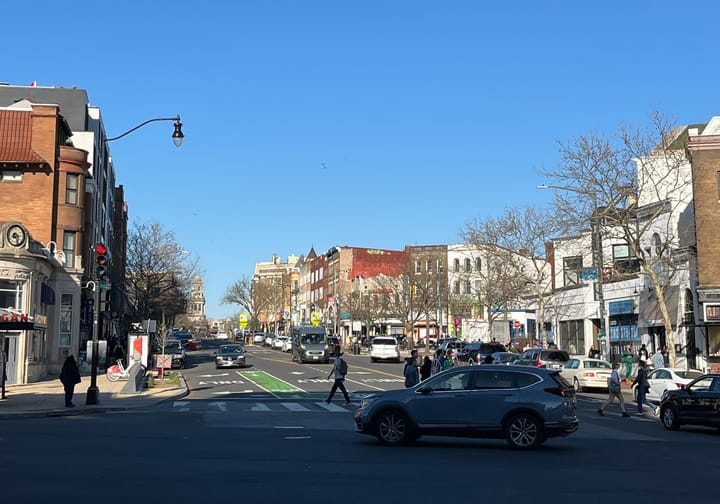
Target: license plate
315,357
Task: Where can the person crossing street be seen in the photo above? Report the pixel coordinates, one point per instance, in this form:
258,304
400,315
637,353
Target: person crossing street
339,369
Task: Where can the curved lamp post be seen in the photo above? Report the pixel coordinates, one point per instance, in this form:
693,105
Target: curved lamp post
177,135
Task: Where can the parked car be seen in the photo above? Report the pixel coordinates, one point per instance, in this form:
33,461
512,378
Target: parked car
176,349
183,336
231,355
662,379
547,358
477,352
525,406
454,344
585,373
697,403
278,341
269,337
384,348
259,338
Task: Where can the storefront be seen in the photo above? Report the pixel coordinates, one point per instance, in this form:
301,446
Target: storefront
623,328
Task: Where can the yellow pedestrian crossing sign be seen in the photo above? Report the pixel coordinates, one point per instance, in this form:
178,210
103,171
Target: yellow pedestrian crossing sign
243,320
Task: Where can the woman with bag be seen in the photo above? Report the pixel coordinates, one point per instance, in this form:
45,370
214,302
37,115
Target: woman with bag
614,390
642,388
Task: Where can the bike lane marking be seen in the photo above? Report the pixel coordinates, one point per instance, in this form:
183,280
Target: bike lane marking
269,383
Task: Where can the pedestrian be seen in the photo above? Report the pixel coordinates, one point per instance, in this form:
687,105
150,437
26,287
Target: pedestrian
658,361
449,360
425,369
666,357
69,376
627,360
642,388
592,352
339,369
438,362
642,353
410,371
614,391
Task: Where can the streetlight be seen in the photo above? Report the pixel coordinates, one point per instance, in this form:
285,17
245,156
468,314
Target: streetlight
177,135
597,260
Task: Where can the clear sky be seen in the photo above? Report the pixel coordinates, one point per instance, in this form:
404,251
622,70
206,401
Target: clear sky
373,123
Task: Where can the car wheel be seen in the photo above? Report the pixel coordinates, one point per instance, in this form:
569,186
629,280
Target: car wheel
669,418
576,384
524,432
393,428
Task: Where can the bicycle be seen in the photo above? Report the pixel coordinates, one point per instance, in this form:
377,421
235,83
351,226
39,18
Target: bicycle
118,371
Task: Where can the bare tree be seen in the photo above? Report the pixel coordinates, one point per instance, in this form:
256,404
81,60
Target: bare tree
159,273
254,297
636,186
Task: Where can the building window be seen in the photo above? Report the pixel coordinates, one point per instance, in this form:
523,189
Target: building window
478,264
657,241
456,287
477,286
66,313
623,261
572,269
428,266
11,295
468,267
71,188
467,286
69,248
456,265
11,176
439,265
572,336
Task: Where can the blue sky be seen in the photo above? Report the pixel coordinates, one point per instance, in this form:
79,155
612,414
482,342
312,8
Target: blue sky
370,124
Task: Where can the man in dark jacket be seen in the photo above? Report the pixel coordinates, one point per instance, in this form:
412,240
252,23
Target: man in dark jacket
69,376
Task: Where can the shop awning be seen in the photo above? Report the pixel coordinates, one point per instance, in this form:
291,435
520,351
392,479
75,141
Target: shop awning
650,314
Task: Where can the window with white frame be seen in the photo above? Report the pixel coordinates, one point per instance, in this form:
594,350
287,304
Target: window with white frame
456,287
69,248
623,260
456,265
439,265
468,265
467,287
11,294
71,188
66,315
478,264
11,176
572,270
428,266
417,266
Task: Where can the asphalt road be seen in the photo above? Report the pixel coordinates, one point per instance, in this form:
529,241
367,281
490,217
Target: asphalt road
249,447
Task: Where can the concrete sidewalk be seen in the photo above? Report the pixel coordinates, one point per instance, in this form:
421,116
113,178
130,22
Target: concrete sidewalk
47,398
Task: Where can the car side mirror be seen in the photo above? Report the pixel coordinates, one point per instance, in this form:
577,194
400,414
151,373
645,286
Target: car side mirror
424,390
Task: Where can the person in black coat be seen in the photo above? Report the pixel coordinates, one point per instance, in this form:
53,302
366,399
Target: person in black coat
425,369
69,376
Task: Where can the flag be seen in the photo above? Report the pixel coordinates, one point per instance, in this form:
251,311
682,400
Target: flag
33,84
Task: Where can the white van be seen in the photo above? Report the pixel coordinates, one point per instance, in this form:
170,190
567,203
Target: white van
309,344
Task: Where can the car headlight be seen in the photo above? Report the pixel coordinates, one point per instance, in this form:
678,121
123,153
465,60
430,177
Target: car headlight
366,401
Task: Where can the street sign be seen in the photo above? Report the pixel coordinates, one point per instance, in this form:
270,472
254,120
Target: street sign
601,335
315,318
516,324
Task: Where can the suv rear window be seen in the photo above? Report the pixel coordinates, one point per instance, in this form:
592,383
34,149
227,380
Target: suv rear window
555,355
489,348
384,341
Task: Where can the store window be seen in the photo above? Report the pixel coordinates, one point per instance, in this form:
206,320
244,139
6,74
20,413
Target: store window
572,336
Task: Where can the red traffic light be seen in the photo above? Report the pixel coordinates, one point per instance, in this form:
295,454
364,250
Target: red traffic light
100,248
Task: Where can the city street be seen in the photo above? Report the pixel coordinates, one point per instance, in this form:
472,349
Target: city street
230,439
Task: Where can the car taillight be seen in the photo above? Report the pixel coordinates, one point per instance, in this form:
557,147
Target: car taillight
539,364
679,385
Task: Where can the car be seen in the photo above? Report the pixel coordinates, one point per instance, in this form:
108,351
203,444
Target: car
525,406
453,344
384,348
176,349
539,357
278,341
230,355
697,403
259,338
504,358
662,379
334,347
269,337
477,352
183,336
287,345
585,373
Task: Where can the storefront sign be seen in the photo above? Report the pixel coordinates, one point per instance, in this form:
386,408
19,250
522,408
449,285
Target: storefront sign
620,307
10,321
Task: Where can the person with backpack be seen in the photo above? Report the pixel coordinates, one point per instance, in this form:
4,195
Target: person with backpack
339,369
614,391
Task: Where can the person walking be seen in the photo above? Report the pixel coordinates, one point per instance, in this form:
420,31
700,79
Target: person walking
425,369
69,377
643,353
410,371
658,360
627,360
642,389
339,369
438,362
614,391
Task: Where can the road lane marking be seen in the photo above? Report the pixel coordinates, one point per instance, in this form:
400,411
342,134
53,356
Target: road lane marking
295,406
268,382
212,375
331,407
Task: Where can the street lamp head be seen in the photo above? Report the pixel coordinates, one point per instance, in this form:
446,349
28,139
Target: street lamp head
177,135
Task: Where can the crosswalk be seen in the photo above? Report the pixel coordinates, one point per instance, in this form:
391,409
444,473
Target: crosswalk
262,407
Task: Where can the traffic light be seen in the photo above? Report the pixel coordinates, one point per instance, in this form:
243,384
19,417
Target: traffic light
100,261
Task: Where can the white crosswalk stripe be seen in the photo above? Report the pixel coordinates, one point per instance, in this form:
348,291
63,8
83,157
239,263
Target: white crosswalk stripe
331,407
295,406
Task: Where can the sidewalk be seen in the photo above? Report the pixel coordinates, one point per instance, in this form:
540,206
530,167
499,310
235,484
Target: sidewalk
47,398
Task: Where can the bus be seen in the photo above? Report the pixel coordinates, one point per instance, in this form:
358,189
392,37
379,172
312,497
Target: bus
309,344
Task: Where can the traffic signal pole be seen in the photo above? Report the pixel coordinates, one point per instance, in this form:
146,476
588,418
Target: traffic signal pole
93,393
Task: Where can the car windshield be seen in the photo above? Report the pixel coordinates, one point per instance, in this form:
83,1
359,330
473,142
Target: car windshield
231,349
555,356
597,364
690,375
505,357
488,348
384,341
312,339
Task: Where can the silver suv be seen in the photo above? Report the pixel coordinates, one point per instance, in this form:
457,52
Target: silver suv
523,405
